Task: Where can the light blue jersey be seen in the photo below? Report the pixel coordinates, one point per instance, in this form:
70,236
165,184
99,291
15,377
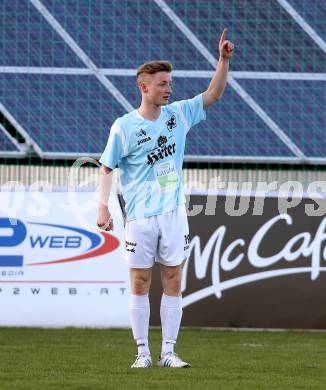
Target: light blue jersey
150,155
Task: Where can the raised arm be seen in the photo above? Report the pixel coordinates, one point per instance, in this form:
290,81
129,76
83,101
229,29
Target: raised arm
104,219
216,87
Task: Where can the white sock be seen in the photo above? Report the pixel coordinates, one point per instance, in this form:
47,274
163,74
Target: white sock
171,313
139,317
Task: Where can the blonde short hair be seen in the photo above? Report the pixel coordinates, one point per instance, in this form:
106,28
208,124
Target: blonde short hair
153,67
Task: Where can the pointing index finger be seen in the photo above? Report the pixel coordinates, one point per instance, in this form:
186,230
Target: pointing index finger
223,36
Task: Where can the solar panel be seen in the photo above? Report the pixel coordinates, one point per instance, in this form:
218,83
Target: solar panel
26,39
8,146
313,13
125,33
67,115
64,115
298,106
266,37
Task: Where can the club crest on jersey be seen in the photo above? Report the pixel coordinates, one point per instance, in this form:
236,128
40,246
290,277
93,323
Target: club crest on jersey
171,123
161,140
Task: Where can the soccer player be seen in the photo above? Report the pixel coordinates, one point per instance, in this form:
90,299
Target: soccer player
147,145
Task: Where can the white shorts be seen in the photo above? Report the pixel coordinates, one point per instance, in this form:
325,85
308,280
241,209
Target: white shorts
162,238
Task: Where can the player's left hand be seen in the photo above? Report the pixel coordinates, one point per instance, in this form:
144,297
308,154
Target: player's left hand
226,47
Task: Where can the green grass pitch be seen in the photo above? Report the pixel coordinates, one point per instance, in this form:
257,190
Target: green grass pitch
100,359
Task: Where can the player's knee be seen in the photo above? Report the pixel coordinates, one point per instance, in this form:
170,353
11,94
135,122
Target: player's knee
140,285
173,284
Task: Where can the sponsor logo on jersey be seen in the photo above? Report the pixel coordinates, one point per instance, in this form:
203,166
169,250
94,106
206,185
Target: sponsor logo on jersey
141,133
142,141
160,153
171,123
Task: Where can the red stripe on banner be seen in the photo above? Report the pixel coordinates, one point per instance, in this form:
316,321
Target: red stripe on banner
109,245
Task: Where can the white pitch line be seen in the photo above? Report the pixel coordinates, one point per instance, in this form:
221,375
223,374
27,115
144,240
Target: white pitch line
81,54
206,74
234,84
303,24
